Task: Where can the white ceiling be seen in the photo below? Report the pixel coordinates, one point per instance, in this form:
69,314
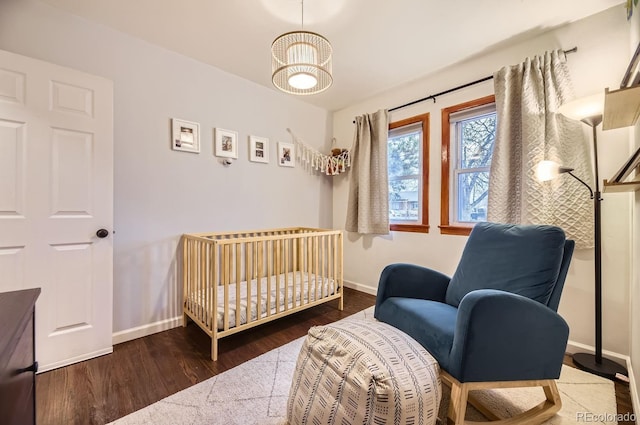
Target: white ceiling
378,44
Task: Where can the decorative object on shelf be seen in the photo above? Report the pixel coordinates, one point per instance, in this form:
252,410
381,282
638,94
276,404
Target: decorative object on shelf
286,154
333,164
226,143
301,62
259,149
589,110
185,136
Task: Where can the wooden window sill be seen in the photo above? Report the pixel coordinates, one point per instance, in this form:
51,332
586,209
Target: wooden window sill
415,228
455,230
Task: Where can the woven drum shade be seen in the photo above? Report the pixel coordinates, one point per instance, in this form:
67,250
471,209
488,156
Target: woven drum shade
301,63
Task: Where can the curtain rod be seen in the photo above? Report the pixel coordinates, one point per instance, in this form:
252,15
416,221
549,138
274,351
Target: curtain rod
433,96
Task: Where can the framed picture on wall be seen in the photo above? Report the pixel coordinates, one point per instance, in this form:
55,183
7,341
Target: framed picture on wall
226,143
259,149
185,136
286,155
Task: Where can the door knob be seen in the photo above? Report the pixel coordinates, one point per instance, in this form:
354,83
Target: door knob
102,233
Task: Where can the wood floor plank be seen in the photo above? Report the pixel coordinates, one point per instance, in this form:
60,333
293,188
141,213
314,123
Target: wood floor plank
140,372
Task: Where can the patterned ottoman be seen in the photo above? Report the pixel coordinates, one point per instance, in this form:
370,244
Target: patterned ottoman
363,372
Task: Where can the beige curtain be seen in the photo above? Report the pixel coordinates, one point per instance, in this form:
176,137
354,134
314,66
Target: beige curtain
529,131
368,205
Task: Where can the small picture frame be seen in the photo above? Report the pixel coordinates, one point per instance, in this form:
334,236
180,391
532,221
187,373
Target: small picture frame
286,155
226,143
185,136
259,149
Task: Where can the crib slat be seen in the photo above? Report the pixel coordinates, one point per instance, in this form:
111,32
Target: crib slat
259,279
309,267
213,287
226,266
205,264
249,263
185,281
254,277
238,257
277,258
198,269
323,264
286,269
268,255
316,274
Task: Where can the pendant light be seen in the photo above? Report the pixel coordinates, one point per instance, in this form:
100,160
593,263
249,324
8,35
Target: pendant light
301,62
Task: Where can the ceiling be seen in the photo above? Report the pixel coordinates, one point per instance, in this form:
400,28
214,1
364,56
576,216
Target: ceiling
378,44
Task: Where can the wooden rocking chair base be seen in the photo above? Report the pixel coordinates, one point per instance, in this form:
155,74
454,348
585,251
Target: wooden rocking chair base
536,415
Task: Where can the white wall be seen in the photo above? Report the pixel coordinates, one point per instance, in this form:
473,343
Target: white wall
160,193
602,57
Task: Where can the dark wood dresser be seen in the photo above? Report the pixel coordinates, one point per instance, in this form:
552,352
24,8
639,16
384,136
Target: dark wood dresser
17,357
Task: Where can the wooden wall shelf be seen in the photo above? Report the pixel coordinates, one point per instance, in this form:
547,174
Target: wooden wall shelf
621,107
621,187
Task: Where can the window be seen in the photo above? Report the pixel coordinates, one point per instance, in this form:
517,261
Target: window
468,135
408,164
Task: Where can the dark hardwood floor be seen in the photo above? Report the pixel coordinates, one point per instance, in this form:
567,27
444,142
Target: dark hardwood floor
145,370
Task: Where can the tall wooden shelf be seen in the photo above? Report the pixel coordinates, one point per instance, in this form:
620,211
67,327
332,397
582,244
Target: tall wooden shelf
611,187
621,107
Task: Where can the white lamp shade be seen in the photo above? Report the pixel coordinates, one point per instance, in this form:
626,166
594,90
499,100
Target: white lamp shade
547,170
302,76
584,107
301,63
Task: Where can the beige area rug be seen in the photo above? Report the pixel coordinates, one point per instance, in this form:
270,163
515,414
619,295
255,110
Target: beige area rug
256,392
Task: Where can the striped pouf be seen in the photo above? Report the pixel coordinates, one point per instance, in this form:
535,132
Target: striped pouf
363,372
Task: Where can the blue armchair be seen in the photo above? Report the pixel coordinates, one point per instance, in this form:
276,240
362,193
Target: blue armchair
493,324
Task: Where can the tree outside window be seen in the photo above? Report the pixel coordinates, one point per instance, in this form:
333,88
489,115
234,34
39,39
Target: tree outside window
407,161
468,135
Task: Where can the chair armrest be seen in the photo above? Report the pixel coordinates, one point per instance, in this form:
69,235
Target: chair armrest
500,336
411,281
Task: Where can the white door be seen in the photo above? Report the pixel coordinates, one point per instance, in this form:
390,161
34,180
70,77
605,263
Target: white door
56,192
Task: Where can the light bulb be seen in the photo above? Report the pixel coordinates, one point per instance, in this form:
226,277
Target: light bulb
302,80
547,170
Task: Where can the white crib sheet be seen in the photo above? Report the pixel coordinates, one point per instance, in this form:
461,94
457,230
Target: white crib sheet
303,281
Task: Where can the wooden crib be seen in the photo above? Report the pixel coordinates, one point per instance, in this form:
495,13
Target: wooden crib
237,280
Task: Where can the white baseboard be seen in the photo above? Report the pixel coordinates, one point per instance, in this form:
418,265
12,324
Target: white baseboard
146,330
576,347
633,390
360,287
73,360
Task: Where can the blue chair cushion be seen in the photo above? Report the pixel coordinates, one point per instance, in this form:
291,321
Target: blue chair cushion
524,260
430,323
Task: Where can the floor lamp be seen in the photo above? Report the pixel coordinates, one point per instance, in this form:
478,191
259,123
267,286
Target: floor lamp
589,111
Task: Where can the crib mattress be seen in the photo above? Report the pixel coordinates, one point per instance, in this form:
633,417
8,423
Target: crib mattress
304,283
